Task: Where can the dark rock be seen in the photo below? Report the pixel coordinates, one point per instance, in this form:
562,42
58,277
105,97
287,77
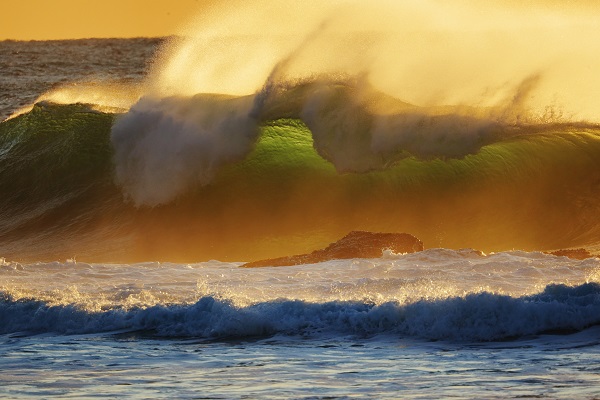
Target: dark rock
577,254
356,244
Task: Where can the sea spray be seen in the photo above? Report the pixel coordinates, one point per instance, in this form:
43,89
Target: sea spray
359,129
463,86
165,146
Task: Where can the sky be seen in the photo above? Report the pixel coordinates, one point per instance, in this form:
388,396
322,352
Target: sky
75,19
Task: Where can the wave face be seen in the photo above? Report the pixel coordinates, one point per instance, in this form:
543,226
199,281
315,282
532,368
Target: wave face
275,189
436,294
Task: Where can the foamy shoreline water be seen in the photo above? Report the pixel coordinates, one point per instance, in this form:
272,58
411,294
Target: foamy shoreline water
434,324
435,294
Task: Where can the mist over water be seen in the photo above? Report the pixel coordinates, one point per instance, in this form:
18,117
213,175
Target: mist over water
162,146
426,53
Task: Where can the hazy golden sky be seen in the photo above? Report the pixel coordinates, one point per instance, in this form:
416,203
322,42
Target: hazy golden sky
70,19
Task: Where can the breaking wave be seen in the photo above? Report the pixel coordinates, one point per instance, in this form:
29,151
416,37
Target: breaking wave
475,317
274,187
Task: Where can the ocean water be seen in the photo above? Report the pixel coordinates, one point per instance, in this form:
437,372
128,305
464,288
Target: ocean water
139,175
439,323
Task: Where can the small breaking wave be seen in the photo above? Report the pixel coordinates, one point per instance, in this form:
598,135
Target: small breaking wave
474,317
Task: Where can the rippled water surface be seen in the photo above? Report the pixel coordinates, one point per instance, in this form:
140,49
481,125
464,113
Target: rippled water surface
381,367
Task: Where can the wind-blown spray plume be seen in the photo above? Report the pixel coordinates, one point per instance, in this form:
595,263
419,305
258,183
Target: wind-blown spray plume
374,82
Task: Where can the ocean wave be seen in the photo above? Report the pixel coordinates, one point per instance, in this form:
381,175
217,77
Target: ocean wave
64,183
165,147
278,136
474,317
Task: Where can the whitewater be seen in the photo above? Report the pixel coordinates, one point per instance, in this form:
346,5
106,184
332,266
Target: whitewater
439,323
139,176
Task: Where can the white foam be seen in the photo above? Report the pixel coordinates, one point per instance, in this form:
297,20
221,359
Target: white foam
435,294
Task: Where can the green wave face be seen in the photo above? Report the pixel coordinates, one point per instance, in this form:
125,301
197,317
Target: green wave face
52,154
56,180
535,190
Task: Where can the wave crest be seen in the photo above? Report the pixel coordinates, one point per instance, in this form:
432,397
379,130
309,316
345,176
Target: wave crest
475,317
